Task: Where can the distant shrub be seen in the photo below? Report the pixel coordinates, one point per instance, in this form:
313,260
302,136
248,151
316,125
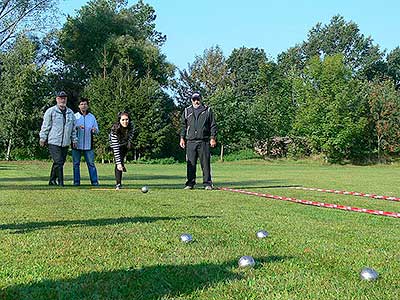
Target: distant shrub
244,154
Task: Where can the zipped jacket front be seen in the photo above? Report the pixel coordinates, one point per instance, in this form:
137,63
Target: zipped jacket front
201,128
84,125
56,129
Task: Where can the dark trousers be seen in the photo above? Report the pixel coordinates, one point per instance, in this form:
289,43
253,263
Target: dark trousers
198,149
58,154
118,174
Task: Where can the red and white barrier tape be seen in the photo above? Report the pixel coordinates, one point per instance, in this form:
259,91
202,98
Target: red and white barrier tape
374,196
315,203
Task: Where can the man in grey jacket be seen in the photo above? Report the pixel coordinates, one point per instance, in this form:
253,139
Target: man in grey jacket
58,131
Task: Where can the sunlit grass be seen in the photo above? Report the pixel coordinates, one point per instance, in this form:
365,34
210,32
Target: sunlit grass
84,243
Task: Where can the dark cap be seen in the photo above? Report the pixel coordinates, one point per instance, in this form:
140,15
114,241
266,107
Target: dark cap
196,95
62,94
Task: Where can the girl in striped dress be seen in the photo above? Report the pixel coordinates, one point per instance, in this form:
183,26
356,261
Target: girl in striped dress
121,136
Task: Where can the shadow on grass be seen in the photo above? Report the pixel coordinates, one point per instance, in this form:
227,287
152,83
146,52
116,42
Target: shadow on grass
105,178
147,283
129,183
32,226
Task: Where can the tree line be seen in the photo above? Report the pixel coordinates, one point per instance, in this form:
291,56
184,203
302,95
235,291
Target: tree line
335,94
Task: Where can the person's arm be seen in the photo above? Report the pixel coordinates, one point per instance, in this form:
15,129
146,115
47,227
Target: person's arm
114,143
46,126
183,129
74,134
95,128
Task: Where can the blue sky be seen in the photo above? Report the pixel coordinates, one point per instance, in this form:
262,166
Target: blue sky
192,26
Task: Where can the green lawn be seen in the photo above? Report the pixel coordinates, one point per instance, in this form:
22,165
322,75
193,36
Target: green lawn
83,243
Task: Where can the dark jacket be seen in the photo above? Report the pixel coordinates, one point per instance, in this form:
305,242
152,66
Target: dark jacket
201,128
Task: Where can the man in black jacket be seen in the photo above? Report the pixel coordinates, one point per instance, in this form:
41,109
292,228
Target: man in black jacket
198,131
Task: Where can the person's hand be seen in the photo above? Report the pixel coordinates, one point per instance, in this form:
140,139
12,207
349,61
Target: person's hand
120,167
213,143
74,145
94,130
42,143
182,143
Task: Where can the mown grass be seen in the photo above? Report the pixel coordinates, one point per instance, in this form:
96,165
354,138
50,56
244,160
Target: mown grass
84,243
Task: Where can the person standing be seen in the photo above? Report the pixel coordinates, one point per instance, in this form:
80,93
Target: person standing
86,126
198,133
121,136
58,131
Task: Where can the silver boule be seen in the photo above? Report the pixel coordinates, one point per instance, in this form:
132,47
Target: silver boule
186,238
246,262
262,234
145,189
368,274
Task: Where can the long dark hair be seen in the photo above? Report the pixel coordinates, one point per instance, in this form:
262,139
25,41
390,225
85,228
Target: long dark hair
118,129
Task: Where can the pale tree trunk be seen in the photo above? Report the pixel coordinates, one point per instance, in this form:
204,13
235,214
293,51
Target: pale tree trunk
8,150
221,156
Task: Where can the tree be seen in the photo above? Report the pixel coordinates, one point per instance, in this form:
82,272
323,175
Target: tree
331,115
149,107
338,37
23,16
393,63
232,119
244,65
23,94
206,74
274,107
86,42
384,105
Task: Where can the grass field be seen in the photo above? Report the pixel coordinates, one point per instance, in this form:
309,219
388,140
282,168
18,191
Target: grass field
83,243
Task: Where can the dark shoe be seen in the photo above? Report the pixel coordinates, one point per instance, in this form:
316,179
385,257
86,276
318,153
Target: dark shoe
188,187
76,184
95,184
53,182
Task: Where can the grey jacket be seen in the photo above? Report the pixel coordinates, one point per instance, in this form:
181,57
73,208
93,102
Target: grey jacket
56,129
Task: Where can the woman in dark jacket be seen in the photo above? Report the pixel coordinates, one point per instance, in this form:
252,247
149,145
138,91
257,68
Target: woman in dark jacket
121,136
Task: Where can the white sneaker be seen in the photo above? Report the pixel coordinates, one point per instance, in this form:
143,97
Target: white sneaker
118,187
208,187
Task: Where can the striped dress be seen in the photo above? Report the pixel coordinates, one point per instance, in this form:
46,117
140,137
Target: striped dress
117,142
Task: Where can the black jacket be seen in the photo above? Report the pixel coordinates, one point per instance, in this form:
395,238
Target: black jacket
202,128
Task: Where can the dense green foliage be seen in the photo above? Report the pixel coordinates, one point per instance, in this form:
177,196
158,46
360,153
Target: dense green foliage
334,95
84,243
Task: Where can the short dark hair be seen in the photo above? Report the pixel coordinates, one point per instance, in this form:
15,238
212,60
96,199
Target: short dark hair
83,99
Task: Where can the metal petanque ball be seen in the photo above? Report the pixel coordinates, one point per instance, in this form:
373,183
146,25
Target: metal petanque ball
246,262
186,238
145,189
368,274
262,234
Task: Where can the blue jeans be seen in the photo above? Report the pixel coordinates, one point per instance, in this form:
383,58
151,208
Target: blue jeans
89,158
